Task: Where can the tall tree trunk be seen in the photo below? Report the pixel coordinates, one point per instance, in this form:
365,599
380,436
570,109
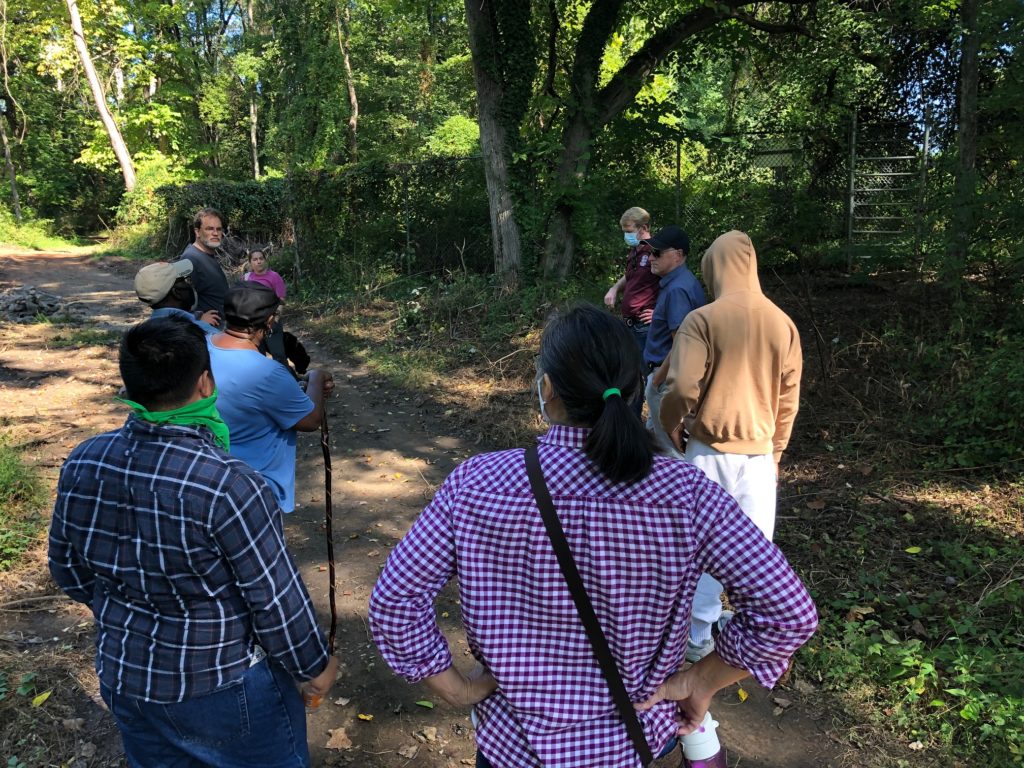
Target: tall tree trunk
964,206
15,204
342,24
592,107
494,146
116,142
583,119
253,124
572,170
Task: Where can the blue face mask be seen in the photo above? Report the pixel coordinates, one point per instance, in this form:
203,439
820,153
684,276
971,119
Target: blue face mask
632,239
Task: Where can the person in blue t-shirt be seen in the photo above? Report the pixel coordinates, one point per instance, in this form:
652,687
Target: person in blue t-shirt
167,289
680,293
258,398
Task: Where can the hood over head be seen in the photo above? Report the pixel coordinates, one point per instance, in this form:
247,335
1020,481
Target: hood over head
730,264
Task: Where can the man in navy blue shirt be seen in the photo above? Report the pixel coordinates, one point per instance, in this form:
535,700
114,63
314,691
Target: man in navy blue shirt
680,293
207,276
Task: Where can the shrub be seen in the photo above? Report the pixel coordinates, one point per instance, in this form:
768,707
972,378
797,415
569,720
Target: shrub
21,497
982,422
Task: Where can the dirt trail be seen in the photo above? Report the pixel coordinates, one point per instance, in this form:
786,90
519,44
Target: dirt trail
390,450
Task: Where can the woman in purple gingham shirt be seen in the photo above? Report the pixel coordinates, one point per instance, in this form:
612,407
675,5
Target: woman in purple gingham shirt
642,528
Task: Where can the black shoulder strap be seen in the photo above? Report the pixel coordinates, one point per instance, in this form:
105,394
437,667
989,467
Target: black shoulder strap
586,611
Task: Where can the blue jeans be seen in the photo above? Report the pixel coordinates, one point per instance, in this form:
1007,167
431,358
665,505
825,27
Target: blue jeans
483,762
257,721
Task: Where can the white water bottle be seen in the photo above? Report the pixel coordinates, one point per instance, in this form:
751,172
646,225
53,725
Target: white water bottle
701,749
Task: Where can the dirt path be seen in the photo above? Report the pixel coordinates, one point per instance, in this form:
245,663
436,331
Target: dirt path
390,450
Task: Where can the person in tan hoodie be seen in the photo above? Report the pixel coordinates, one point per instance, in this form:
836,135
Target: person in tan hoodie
734,383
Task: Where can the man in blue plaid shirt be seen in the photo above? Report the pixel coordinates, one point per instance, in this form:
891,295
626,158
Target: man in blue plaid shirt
203,620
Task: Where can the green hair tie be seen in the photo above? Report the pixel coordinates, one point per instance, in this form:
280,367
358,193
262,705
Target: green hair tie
611,391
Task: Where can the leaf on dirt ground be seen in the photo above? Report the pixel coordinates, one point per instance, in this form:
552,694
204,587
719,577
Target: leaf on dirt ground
777,711
41,698
426,734
342,702
912,550
804,687
72,723
87,750
916,745
741,694
858,612
781,702
373,553
367,718
26,687
409,752
425,703
338,739
816,504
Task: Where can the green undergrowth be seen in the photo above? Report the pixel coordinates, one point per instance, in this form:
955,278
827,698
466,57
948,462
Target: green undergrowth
137,242
416,332
921,592
34,234
21,500
85,337
922,620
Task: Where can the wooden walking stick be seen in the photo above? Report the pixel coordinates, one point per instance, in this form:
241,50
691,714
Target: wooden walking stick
328,527
312,700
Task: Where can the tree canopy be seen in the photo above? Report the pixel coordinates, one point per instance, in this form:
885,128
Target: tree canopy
575,109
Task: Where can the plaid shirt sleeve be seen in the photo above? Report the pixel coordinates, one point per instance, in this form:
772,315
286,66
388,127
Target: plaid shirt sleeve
774,613
249,535
67,569
402,617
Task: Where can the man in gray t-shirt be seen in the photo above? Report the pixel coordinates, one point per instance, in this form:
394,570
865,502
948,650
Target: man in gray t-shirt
207,276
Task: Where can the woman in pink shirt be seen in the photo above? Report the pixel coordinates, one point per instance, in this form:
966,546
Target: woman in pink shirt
260,272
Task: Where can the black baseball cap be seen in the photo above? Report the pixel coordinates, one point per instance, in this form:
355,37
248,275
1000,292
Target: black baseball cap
249,305
670,237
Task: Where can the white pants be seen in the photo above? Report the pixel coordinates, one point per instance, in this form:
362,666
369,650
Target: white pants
653,395
751,481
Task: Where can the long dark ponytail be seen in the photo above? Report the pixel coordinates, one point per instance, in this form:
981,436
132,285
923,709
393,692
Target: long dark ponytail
586,352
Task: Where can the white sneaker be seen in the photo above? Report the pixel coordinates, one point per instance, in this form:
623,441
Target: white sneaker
695,652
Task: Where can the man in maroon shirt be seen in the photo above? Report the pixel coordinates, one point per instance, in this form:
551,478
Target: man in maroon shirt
639,284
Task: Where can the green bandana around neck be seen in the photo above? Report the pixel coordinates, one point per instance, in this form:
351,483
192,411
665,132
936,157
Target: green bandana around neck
201,413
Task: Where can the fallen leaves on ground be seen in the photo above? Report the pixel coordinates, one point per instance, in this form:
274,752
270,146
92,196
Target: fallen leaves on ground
338,739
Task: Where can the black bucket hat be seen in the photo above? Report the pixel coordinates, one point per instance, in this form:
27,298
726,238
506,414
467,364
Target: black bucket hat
250,305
